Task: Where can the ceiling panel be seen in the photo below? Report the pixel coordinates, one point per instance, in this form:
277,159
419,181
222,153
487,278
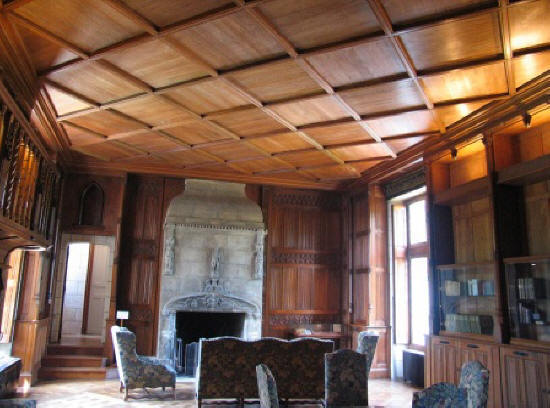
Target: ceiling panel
361,152
455,41
398,145
281,143
482,80
310,23
195,132
361,63
151,142
340,133
307,159
106,123
276,81
234,151
318,109
107,151
409,12
64,103
261,165
96,82
364,166
185,157
452,113
529,24
333,172
79,137
89,24
528,66
165,12
43,53
248,122
208,96
409,122
157,64
384,97
153,110
231,41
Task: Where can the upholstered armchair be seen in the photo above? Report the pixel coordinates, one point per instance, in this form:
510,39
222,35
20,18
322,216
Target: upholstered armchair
139,371
366,344
346,379
267,387
472,391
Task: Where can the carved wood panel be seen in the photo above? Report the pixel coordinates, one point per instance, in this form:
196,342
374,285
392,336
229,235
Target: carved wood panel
304,274
139,273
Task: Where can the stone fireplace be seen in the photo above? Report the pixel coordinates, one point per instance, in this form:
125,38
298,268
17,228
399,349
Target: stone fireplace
213,265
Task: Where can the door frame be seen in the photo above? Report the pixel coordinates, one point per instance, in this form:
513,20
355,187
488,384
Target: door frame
61,275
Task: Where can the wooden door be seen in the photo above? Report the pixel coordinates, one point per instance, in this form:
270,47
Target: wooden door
444,360
488,355
524,378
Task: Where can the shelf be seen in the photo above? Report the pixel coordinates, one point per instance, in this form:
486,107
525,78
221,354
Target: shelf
464,193
527,172
469,296
526,259
465,265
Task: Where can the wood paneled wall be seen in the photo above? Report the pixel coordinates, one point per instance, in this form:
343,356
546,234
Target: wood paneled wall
113,189
369,274
146,201
304,252
30,331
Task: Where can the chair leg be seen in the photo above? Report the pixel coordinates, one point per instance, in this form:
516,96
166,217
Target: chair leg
121,386
174,387
199,402
125,394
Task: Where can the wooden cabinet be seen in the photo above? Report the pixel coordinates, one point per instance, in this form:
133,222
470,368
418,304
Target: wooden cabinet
525,378
444,360
488,355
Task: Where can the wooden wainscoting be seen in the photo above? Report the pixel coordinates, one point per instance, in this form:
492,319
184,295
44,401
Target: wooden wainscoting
303,277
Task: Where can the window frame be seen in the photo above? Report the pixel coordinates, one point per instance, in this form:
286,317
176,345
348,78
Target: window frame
417,250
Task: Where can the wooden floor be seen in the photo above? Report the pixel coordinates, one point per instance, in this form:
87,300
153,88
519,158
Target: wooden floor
105,394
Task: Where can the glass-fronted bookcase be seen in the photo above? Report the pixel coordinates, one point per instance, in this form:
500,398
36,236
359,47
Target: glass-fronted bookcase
467,300
528,285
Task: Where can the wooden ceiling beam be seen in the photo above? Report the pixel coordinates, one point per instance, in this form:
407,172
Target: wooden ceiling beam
314,75
504,25
386,24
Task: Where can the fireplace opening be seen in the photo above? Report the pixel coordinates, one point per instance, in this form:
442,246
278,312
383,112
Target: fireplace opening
192,326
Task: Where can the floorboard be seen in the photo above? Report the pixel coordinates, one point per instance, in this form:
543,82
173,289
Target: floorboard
105,394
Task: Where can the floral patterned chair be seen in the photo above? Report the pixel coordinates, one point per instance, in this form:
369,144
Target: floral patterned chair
472,391
366,344
267,387
346,379
139,371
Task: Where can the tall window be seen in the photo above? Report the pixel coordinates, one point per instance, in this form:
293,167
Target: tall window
410,258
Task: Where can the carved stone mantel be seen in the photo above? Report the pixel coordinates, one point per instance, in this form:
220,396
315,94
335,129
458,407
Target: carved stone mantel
213,258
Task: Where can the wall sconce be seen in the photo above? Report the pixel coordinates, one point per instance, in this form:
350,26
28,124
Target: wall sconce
454,153
122,315
527,119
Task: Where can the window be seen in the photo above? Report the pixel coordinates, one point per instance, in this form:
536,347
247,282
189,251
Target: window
410,269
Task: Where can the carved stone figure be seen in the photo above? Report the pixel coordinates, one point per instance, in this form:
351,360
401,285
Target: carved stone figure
259,263
169,244
216,263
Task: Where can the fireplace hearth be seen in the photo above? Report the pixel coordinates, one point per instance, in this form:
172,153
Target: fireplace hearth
193,326
212,280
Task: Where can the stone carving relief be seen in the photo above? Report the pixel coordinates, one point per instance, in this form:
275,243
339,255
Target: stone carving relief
169,244
259,262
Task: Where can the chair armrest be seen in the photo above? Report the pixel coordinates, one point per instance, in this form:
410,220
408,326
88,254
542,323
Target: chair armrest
444,395
153,361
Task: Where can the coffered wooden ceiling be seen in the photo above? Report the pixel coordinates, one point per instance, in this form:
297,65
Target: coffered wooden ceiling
312,92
